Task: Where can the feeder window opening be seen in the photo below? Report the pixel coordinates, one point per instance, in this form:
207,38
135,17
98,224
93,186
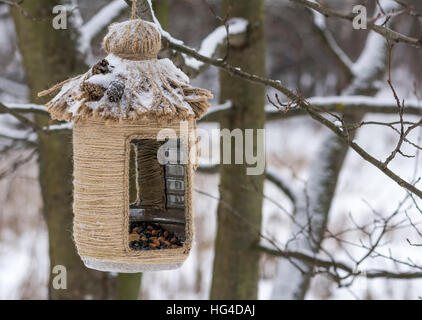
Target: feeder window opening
157,192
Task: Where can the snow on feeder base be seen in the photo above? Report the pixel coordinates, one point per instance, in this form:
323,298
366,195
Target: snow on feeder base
134,142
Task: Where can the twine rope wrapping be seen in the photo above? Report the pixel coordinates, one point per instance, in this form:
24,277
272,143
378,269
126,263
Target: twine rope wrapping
101,193
134,2
134,40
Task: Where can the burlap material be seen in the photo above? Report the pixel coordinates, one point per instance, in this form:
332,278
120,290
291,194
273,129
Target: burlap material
101,197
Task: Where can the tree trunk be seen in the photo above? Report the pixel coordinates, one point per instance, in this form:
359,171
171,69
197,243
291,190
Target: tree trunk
129,286
236,264
161,10
50,56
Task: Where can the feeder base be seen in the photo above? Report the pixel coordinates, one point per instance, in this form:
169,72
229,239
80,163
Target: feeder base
124,267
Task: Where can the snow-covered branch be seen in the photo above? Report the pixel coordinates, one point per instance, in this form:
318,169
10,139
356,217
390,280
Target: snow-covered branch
384,31
338,104
59,127
25,121
12,135
16,111
275,178
327,38
369,102
210,44
343,104
270,175
234,28
293,97
216,112
310,220
98,22
24,108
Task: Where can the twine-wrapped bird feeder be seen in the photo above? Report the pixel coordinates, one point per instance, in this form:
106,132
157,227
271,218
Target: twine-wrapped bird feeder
132,212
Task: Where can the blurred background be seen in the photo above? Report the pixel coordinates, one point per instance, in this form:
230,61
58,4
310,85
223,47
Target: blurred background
297,57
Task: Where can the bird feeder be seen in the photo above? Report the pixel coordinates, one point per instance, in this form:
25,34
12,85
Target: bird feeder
132,211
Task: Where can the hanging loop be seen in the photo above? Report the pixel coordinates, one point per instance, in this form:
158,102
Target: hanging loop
134,9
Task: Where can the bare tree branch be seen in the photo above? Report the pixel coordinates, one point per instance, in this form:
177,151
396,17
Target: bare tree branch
365,155
329,266
333,264
273,177
17,164
16,111
17,5
295,98
99,21
382,30
327,38
270,175
25,108
25,121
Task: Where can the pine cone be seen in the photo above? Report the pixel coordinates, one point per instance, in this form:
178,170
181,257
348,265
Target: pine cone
101,67
115,91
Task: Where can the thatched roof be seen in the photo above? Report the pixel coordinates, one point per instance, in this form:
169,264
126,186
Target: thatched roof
130,83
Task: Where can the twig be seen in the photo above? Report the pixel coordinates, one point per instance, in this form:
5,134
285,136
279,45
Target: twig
25,121
339,265
384,31
22,10
16,165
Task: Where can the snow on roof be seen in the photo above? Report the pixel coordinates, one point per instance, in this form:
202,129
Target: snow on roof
130,83
130,90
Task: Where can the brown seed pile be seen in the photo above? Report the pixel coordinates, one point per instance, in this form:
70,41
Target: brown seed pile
150,236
